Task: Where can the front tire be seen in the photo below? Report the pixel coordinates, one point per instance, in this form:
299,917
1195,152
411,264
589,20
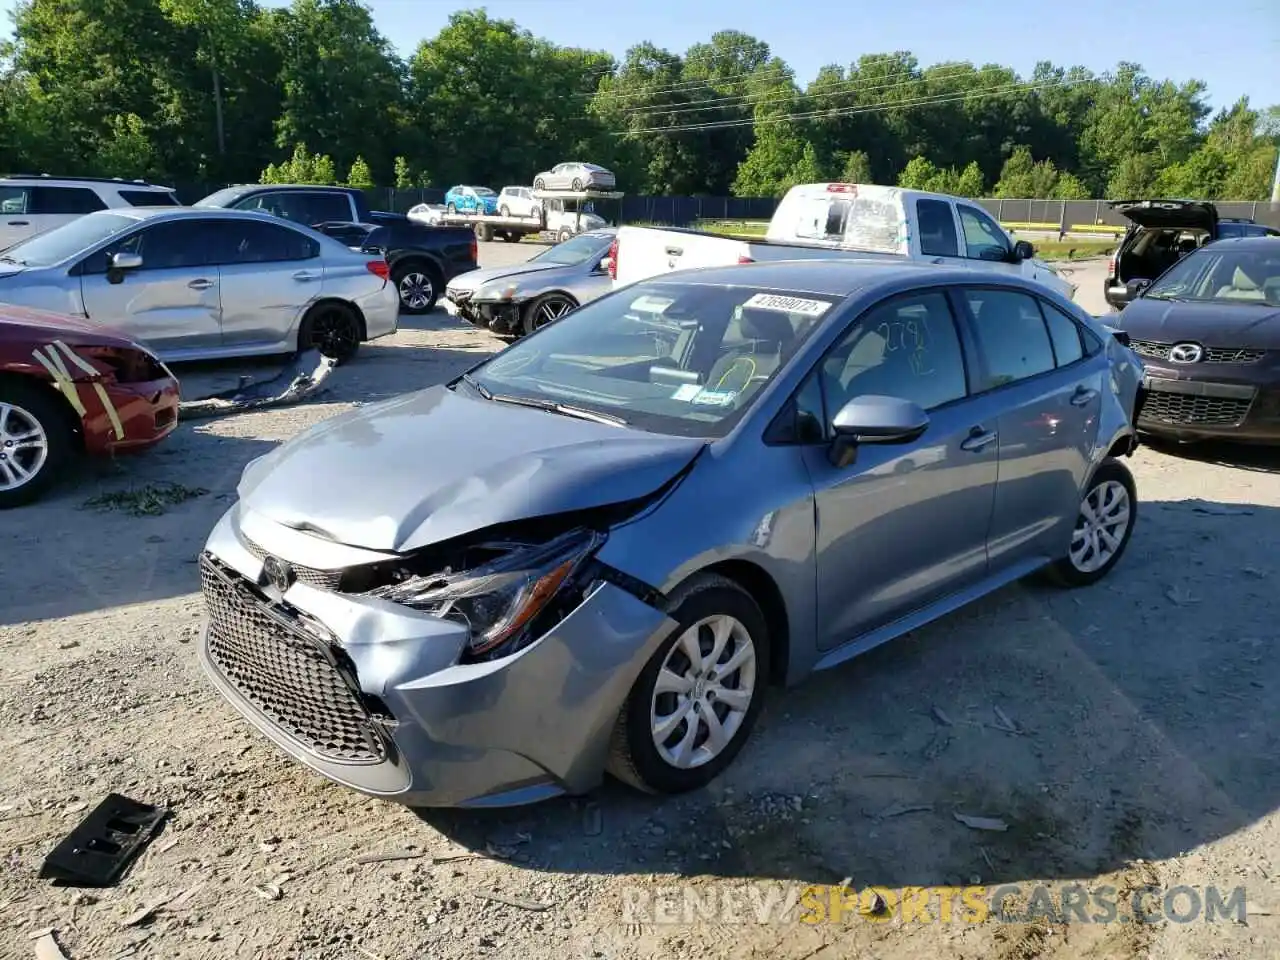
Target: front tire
546,309
35,442
577,185
694,704
333,329
539,184
503,212
1103,527
417,288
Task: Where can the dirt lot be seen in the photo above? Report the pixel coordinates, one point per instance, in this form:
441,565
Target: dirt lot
1143,750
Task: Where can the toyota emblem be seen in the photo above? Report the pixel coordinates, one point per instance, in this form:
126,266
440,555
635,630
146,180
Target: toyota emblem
1186,353
277,573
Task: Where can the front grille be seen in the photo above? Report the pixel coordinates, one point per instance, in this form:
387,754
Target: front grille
459,296
1189,410
320,579
286,673
1160,351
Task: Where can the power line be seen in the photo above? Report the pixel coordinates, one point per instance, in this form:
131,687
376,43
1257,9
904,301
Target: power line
839,88
851,111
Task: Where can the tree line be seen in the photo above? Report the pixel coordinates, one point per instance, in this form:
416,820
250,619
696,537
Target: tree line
229,91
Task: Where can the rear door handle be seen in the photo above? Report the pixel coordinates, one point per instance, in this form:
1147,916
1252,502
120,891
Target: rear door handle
978,440
1083,396
305,276
675,251
19,223
200,284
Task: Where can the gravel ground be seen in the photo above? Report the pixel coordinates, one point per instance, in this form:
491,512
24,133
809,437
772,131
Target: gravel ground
1142,749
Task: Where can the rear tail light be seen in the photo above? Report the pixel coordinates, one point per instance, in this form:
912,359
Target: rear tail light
842,188
475,250
1111,266
613,259
379,268
743,258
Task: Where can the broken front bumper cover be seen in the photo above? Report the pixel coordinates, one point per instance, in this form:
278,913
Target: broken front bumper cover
502,317
437,732
303,378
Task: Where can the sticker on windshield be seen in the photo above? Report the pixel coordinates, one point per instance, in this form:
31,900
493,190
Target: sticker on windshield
649,304
686,392
715,398
772,301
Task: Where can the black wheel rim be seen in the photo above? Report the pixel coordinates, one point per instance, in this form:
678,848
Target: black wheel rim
415,290
553,308
333,333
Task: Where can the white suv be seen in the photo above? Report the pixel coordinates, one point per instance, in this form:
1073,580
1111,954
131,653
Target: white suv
31,204
518,202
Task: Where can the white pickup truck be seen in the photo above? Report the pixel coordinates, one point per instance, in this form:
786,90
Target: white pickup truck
843,220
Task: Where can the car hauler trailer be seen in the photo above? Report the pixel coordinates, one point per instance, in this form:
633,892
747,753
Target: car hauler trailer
565,214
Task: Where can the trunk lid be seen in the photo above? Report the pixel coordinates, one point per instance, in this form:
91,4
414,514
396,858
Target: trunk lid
645,252
1169,214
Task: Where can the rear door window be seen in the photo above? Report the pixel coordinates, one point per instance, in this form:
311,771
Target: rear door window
65,200
14,200
1011,334
252,241
937,228
149,198
1065,334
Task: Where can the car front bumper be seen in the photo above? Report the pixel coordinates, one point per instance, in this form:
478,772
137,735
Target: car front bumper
503,317
145,413
1226,403
372,694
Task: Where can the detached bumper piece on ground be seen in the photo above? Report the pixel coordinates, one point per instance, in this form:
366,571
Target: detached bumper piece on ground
98,851
301,379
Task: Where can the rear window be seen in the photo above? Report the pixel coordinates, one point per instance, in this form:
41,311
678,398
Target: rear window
65,200
870,224
149,198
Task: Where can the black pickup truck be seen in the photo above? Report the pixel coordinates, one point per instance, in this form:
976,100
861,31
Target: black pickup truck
423,259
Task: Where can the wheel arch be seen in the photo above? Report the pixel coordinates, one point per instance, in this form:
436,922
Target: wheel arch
71,418
422,259
757,582
319,302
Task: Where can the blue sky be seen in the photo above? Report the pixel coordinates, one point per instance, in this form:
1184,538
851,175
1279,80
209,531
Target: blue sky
1232,45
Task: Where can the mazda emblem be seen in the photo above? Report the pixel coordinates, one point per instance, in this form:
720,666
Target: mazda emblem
1186,353
277,573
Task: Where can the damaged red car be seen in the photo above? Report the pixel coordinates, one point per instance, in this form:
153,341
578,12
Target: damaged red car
69,388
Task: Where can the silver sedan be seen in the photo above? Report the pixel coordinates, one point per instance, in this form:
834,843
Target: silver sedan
196,284
575,176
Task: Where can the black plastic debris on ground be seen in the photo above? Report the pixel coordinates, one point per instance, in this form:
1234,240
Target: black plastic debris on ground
302,378
97,852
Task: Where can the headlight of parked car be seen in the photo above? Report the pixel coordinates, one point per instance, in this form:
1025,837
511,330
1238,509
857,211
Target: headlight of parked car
497,291
500,601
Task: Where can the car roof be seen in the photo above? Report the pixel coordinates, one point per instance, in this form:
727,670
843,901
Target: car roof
840,277
195,213
1263,243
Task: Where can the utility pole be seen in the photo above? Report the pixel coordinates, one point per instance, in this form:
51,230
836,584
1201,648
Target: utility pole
1275,182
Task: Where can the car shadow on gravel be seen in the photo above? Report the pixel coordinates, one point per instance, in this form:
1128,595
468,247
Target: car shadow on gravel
1129,721
129,530
1258,459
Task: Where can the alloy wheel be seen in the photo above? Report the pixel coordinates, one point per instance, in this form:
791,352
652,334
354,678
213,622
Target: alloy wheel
24,446
552,308
703,692
334,334
1101,526
416,290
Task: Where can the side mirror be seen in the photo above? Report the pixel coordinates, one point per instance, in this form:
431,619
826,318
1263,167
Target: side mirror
1022,250
1136,287
120,264
874,419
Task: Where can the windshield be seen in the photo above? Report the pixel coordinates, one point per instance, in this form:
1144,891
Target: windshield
66,241
580,248
223,198
484,192
673,358
1222,275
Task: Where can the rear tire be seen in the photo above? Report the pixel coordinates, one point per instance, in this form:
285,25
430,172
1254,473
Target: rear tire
333,329
1104,525
665,739
36,442
451,209
564,236
577,185
417,287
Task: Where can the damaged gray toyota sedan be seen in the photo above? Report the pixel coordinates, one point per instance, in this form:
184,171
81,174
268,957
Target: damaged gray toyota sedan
598,548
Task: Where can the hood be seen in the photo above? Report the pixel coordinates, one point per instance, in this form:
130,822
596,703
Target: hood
474,279
434,465
24,323
1240,325
1169,214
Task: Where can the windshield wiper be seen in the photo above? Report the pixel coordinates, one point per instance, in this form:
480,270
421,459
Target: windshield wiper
475,385
1166,296
564,409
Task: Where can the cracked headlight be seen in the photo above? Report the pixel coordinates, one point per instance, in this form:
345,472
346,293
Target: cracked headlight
499,601
497,291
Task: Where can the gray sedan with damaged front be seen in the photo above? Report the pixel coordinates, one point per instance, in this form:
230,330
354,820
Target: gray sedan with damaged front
598,547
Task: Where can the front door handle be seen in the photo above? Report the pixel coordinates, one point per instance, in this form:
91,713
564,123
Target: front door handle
305,276
675,251
200,284
19,223
1083,396
978,440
